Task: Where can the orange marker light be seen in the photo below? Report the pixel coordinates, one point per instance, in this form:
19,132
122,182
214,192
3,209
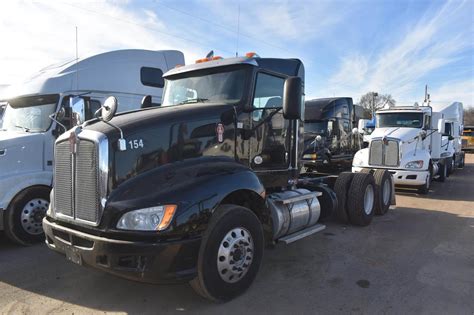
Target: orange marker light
167,217
217,58
251,54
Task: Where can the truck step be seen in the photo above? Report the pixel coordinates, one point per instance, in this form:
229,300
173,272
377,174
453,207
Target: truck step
301,234
300,197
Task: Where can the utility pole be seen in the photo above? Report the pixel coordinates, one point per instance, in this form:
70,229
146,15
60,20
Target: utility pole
374,95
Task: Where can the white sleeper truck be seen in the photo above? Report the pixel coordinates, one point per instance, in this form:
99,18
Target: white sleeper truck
452,137
407,142
28,131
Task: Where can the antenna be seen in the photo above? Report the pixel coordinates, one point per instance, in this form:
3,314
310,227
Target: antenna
238,31
77,60
427,96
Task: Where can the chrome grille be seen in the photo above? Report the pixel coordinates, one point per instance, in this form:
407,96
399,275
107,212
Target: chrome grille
77,181
376,152
381,154
391,153
86,176
63,179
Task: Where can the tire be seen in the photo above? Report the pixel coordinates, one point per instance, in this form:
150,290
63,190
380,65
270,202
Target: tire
442,172
383,191
361,201
424,189
450,166
23,218
328,201
229,224
341,187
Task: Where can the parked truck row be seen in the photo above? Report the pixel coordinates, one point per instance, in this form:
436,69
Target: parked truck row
231,161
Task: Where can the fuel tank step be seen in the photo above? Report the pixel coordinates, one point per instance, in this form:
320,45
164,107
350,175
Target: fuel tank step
301,234
299,198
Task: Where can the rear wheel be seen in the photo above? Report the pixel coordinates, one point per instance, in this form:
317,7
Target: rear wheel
383,191
23,221
442,172
230,254
341,187
450,166
361,201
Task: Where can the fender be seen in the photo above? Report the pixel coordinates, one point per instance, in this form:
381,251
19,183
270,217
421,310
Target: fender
10,186
196,185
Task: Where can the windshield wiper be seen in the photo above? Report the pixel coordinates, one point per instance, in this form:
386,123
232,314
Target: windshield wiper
24,128
193,100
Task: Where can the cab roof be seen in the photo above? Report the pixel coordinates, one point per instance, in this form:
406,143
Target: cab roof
289,67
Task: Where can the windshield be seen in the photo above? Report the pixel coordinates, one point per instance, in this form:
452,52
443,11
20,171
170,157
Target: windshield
221,87
410,120
319,127
29,114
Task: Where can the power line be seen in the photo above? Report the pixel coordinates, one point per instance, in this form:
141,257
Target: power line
224,26
144,26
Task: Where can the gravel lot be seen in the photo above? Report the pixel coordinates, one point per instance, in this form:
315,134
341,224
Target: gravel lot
419,258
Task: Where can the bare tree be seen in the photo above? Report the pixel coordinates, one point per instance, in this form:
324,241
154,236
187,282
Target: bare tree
469,116
372,101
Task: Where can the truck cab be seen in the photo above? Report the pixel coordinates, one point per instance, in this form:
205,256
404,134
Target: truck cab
40,109
407,142
192,191
330,144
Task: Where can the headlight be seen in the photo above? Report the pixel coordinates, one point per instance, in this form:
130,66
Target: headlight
147,219
311,156
414,164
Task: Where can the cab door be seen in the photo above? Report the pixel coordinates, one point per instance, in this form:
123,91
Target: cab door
270,140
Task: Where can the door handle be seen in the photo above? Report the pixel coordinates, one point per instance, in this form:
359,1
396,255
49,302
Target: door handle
3,152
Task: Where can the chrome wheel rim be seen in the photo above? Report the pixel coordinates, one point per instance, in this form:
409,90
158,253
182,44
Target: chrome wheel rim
368,199
386,192
32,215
235,255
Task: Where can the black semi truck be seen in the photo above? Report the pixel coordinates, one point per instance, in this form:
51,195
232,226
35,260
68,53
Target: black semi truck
329,140
194,190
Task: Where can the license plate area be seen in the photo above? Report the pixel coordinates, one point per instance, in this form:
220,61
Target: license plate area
73,254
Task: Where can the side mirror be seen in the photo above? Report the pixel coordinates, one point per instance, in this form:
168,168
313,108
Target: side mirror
355,131
441,126
422,134
78,108
147,101
450,138
109,108
292,97
319,138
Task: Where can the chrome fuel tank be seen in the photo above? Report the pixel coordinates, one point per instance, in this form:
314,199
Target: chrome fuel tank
293,211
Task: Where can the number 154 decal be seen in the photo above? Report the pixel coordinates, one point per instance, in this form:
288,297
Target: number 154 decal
135,144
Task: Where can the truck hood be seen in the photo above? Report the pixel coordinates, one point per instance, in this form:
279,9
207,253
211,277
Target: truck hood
402,133
159,136
20,152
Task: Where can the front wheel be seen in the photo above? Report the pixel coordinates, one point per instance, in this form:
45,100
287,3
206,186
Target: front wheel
23,219
230,255
424,189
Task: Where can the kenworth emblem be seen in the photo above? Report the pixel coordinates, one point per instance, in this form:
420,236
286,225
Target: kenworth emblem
74,139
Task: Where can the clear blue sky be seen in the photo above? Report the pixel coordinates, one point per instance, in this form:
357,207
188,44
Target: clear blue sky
348,47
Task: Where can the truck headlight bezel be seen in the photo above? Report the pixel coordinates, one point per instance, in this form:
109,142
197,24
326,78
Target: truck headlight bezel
157,218
418,164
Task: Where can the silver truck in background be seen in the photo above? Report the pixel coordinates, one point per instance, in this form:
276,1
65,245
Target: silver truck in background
39,110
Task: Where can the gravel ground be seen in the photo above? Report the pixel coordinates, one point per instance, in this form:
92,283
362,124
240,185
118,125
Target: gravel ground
419,258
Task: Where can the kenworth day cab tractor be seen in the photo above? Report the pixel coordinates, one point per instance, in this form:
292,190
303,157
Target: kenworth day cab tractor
407,143
193,191
28,130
